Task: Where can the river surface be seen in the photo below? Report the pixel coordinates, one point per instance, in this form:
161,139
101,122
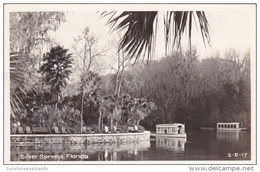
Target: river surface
199,145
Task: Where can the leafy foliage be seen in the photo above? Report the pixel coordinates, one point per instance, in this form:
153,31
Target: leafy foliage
90,96
177,88
49,116
28,40
29,30
56,68
125,109
90,84
198,93
16,82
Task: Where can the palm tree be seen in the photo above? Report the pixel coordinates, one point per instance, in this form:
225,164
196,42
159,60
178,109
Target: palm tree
141,27
56,69
16,82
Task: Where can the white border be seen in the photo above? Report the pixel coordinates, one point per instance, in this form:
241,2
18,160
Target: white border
139,7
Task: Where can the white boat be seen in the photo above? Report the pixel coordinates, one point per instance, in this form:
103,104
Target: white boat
230,126
171,130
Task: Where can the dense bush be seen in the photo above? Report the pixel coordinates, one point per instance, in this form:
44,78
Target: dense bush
122,128
141,128
95,128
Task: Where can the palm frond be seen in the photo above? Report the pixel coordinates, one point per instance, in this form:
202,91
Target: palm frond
141,27
139,33
56,68
16,81
204,26
16,74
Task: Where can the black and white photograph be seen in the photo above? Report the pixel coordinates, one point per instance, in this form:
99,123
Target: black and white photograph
130,83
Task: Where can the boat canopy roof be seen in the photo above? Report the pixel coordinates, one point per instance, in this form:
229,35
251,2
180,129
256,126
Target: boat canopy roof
228,123
170,125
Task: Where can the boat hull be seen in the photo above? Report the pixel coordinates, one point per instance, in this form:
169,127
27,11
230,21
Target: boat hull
170,135
231,129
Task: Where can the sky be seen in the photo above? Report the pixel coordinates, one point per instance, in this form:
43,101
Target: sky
232,27
229,29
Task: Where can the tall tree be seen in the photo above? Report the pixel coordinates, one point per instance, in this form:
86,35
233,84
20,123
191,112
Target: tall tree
123,62
56,68
87,52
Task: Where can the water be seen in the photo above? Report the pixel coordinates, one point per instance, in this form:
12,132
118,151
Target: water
199,145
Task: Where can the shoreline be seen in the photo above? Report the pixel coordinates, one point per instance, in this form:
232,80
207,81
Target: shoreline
80,138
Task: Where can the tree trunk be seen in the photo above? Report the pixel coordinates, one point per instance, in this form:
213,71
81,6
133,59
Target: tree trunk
165,115
111,120
138,121
81,113
99,119
56,104
102,123
117,81
120,82
208,112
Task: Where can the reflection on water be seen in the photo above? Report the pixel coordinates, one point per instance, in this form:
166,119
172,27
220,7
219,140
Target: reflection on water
174,144
229,135
72,152
199,145
217,145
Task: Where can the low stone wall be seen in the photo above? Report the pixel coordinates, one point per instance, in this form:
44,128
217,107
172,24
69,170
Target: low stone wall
80,138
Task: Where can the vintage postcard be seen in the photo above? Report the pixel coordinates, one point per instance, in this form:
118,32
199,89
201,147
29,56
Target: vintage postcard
130,84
